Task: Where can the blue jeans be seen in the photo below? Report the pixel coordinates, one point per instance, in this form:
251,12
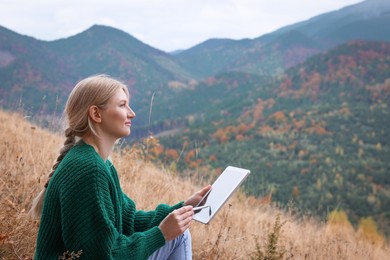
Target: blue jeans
178,249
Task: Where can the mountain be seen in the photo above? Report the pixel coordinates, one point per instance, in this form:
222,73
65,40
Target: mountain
316,135
366,21
38,75
119,54
28,70
272,53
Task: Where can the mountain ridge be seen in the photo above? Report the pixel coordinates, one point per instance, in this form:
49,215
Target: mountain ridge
319,29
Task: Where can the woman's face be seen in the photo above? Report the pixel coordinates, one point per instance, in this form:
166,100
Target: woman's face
117,115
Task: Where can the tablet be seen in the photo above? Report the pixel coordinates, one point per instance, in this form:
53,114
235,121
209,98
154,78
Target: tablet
220,192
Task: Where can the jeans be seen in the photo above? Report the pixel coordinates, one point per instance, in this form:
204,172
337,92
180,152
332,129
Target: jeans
178,249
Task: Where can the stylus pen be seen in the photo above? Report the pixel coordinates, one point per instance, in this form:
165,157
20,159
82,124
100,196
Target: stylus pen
201,207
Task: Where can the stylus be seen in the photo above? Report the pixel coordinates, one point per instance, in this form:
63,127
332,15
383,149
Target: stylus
201,207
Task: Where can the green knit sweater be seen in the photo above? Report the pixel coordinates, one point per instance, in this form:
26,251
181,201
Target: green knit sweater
85,209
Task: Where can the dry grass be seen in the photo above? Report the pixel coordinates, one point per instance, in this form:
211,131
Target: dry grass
242,230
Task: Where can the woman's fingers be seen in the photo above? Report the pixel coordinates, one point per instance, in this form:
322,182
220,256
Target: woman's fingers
184,213
176,222
196,197
205,190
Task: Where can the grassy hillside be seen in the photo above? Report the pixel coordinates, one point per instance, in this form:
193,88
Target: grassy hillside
246,228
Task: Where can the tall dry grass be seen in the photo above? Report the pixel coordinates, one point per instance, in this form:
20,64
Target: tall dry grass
244,229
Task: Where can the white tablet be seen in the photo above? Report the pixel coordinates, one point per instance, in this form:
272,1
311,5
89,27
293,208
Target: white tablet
220,192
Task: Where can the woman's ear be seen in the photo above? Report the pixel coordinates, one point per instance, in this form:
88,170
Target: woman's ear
94,114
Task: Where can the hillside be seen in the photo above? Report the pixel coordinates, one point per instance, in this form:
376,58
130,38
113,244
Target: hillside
240,231
317,135
272,53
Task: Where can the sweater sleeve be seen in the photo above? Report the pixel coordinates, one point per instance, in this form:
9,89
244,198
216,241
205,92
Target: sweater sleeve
89,221
145,220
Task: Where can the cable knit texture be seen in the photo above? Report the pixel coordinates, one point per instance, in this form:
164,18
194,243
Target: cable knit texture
85,209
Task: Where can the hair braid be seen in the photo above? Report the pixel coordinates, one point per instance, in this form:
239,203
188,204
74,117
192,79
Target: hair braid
69,143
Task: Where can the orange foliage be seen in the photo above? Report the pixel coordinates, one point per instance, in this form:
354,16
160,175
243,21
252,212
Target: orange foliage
266,129
286,84
240,137
299,124
266,200
279,116
319,130
223,139
278,147
195,164
171,154
310,87
258,111
243,128
302,153
220,135
377,91
157,150
189,156
213,157
295,191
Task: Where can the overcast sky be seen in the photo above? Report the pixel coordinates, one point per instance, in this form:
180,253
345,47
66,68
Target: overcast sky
164,24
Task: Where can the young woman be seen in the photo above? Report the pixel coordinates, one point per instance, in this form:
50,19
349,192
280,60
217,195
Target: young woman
82,207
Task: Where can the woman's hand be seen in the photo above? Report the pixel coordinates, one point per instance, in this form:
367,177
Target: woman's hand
176,222
196,197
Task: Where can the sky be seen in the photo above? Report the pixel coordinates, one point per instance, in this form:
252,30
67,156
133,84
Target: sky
167,25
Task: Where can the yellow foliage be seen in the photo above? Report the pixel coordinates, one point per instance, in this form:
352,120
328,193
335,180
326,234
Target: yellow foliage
339,150
368,230
340,218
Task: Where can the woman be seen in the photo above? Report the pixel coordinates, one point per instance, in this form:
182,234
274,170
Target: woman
82,207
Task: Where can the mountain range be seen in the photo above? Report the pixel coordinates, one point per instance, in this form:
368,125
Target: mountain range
306,107
37,75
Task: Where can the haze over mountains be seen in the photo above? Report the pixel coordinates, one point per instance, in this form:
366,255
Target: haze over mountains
306,107
49,69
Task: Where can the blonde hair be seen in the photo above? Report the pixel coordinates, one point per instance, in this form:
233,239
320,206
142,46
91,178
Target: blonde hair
92,91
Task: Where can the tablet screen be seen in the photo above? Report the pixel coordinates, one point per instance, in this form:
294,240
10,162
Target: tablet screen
220,192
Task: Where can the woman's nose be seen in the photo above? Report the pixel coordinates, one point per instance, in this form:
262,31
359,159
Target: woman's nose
131,113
